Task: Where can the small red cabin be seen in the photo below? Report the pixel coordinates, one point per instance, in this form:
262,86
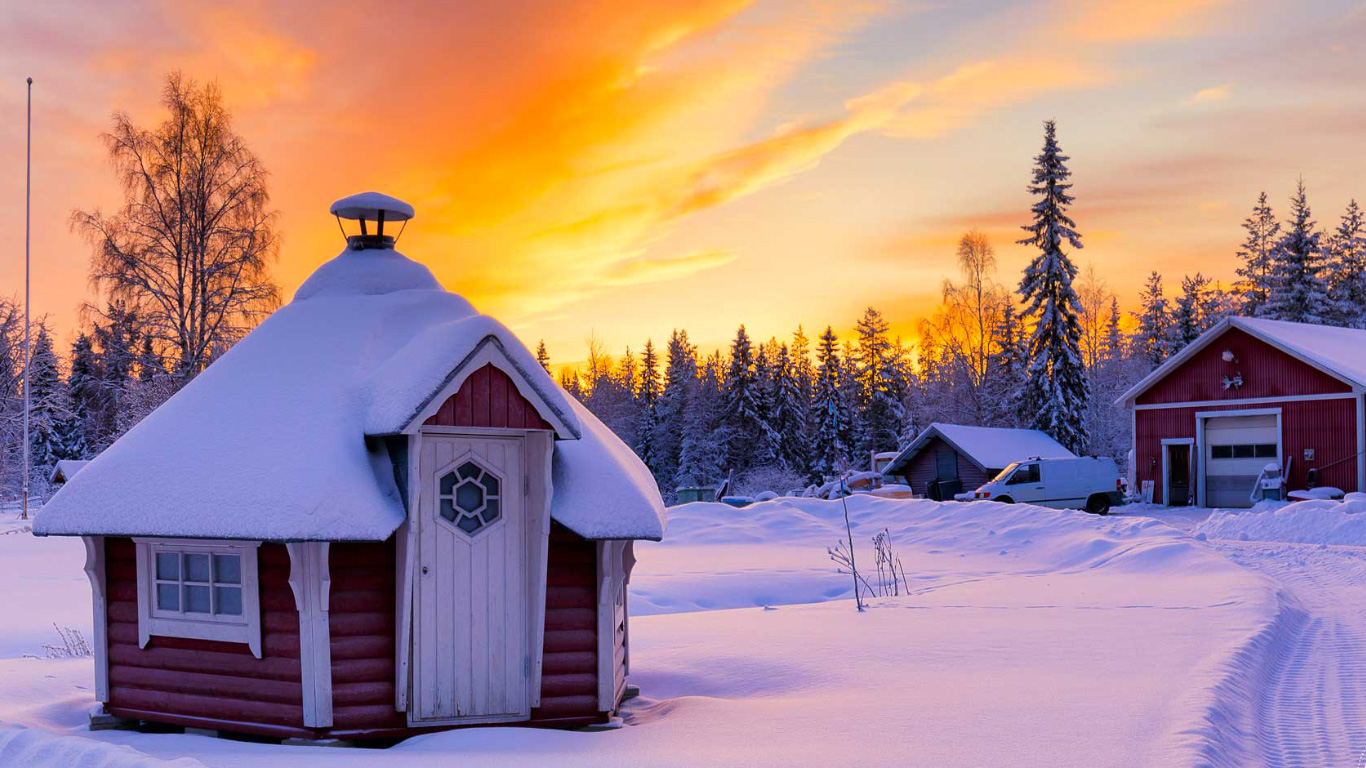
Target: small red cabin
376,515
1246,393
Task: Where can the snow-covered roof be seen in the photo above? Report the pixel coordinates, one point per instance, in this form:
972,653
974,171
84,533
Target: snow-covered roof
275,441
65,469
1335,351
987,447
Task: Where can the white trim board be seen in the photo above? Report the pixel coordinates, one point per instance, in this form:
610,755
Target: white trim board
1167,467
310,580
94,570
1243,401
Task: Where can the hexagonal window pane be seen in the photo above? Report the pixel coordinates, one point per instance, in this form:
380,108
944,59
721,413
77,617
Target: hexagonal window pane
491,485
469,470
491,511
448,510
469,496
470,524
448,481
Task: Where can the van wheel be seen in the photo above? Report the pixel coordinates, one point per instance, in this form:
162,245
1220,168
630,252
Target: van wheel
1005,500
1098,504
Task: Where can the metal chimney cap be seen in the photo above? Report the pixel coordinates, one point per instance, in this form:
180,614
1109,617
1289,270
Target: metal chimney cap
369,206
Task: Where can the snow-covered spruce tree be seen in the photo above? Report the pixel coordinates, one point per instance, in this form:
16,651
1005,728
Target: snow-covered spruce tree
829,409
700,463
877,386
1254,284
744,430
675,398
1346,269
117,335
804,374
765,386
1008,369
83,389
1298,291
1056,391
647,398
788,417
1194,310
46,403
542,356
1153,337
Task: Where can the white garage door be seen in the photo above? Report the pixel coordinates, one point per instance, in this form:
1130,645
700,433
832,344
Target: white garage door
1236,449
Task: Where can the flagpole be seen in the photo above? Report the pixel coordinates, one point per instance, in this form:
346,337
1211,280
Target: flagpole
28,196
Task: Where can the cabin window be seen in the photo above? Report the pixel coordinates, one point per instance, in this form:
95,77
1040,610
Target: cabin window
204,590
470,497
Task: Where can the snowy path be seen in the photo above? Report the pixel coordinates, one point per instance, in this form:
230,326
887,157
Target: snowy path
1313,712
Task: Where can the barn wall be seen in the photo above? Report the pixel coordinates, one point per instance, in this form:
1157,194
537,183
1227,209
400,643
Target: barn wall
920,470
1327,426
569,673
203,682
488,398
1266,372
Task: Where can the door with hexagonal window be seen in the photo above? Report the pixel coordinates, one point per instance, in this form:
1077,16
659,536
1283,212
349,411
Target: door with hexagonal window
470,636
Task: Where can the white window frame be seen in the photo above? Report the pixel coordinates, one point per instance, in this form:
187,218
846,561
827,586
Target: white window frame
231,629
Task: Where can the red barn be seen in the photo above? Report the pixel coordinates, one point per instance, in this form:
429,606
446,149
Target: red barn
1249,392
376,515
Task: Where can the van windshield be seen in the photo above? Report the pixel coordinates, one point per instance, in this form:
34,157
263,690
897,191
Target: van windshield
1001,478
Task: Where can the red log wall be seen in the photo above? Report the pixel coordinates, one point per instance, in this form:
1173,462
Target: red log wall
1327,426
569,671
488,398
1266,372
222,686
198,682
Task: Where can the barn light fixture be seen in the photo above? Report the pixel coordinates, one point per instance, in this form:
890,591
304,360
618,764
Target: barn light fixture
1229,357
371,206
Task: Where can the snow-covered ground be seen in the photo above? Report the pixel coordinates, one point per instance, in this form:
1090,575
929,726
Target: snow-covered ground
1029,637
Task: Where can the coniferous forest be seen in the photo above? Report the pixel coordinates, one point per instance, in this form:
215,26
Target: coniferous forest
1049,349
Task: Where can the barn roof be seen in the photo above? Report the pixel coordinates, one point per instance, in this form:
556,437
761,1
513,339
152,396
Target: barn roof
276,440
1335,351
987,447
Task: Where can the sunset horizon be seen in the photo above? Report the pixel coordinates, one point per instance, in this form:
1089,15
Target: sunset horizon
700,166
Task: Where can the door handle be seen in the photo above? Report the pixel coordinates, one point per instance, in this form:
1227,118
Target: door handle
424,570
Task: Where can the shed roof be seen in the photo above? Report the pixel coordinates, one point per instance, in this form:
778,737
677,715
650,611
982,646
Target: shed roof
275,440
1335,351
65,469
987,447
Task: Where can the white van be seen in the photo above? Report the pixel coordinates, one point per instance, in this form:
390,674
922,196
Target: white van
1085,483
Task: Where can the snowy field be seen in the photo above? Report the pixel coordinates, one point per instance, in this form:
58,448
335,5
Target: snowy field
1029,637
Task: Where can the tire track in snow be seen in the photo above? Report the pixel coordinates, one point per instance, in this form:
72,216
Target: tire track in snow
1312,709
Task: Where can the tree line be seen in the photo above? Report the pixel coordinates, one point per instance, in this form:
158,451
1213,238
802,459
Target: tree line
183,266
1053,353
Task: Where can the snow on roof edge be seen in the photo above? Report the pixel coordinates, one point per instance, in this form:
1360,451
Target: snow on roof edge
946,432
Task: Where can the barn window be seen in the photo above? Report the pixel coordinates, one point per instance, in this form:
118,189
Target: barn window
470,497
204,590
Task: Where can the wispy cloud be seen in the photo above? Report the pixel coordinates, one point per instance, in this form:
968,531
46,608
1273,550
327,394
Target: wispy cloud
654,269
1213,93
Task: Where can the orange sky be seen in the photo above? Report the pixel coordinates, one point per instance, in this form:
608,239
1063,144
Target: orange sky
624,167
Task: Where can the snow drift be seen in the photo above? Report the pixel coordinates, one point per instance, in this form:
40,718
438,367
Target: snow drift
1319,521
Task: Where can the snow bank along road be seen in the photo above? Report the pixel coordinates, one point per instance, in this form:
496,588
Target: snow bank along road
1030,637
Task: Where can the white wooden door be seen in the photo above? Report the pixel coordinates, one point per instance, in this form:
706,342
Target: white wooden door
471,649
